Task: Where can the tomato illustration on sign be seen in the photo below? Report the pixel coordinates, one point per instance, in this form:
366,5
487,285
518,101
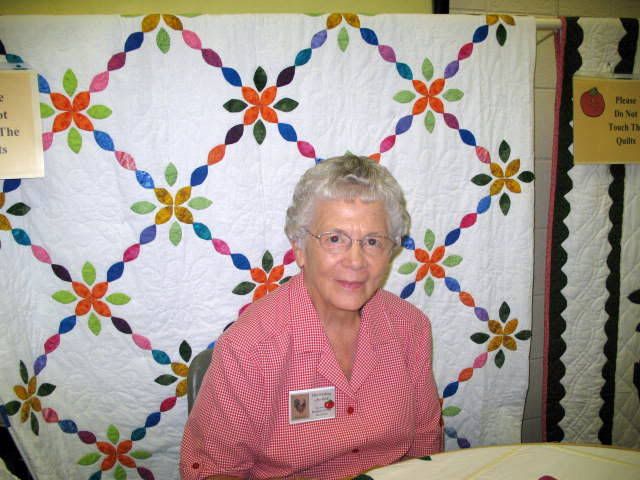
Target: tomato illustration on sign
592,103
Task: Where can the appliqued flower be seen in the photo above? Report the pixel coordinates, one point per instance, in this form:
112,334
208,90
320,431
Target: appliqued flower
181,369
28,394
501,179
173,206
501,31
163,40
502,334
260,100
17,209
266,279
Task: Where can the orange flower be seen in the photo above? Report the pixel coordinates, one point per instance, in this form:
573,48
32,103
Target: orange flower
429,96
71,111
260,102
430,263
116,454
91,298
267,283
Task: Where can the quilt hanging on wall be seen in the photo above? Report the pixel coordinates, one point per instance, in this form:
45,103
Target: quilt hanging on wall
592,373
172,145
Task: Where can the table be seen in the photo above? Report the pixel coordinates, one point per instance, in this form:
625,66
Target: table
537,461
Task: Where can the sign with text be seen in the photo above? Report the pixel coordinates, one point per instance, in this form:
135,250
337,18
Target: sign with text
606,122
21,154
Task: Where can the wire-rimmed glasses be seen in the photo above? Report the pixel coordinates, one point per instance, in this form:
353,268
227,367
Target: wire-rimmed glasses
337,241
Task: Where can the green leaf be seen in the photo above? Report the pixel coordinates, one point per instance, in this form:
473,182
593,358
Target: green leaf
451,411
69,82
427,69
243,288
284,280
480,337
260,78
523,335
481,179
504,312
200,203
453,95
185,351
46,389
74,140
499,358
429,121
429,285
426,458
99,111
343,39
504,151
259,131
24,375
234,105
89,458
12,407
163,41
171,174
501,34
35,426
175,234
64,296
429,239
526,177
120,473
18,209
45,110
267,261
143,207
286,104
407,268
88,273
118,299
166,379
140,454
94,324
113,434
505,203
404,96
452,260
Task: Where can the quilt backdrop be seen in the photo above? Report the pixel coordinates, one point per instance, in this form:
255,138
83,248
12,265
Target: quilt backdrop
592,391
172,146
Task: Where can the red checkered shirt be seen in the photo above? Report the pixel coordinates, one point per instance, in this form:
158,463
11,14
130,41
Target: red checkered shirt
389,409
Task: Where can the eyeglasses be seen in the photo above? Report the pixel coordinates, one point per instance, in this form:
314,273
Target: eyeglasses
339,242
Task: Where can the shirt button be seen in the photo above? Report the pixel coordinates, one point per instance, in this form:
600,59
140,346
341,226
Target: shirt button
349,410
355,450
195,466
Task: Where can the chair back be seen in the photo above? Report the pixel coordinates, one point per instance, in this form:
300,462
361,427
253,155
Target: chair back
197,369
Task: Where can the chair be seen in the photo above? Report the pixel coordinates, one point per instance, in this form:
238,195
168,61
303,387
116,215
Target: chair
197,369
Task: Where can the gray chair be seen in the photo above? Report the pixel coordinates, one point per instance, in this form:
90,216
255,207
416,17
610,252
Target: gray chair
197,369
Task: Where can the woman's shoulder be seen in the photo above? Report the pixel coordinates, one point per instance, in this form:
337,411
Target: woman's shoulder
402,313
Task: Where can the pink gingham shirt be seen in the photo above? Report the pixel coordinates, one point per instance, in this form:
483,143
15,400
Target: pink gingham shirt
389,408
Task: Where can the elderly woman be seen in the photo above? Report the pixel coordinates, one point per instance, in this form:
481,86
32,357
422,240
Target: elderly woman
329,375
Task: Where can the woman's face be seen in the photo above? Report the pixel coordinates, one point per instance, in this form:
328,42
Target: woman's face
341,283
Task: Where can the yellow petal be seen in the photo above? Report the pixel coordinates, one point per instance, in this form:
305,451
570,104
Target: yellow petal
512,168
163,196
513,185
511,326
494,343
495,327
35,404
24,411
508,19
496,170
173,22
352,19
181,388
492,19
496,187
180,369
1,199
150,22
184,215
5,224
164,215
21,392
509,343
31,388
183,195
334,20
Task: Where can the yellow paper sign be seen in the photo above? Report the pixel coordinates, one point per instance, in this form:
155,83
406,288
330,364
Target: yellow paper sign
606,122
21,154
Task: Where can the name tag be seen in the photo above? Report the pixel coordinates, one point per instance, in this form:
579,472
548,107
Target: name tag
311,405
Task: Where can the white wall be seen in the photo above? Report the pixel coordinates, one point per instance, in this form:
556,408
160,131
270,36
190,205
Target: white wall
545,82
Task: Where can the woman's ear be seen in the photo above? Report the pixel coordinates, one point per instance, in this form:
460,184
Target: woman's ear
298,250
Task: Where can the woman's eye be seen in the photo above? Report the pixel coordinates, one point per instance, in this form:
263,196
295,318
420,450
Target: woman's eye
335,238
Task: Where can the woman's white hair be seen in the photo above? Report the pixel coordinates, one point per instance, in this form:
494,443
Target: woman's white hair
347,178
